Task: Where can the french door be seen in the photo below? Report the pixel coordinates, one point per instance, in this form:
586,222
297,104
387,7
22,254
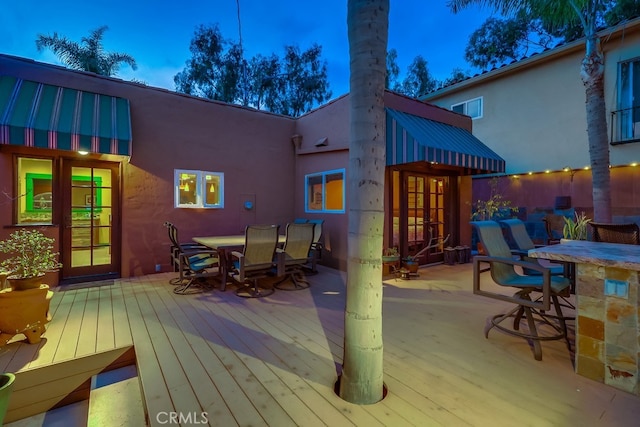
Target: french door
419,214
91,222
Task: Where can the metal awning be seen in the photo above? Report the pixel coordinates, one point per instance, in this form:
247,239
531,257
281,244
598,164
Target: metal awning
412,138
40,115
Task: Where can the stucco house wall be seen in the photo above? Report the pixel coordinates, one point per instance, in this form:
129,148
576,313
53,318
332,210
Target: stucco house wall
534,109
257,152
172,131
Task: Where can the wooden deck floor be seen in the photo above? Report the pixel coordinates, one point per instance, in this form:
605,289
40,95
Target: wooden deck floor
273,361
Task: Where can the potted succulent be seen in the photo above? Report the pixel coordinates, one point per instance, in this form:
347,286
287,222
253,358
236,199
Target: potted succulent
31,255
576,229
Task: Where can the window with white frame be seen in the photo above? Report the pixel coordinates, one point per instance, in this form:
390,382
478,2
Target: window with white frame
472,108
198,189
325,192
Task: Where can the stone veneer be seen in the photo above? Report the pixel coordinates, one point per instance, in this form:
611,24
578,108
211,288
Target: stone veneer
607,326
607,332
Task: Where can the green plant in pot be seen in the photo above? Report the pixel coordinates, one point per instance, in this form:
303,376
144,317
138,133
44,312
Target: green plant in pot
576,229
390,255
31,255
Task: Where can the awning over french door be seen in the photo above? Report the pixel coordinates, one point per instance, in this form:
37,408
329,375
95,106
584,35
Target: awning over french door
412,138
40,115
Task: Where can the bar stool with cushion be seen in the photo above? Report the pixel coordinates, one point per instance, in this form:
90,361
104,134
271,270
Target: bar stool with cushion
503,273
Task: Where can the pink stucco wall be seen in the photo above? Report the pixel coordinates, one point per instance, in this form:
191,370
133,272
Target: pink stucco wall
172,131
253,149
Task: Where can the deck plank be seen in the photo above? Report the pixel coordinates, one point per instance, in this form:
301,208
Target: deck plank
105,334
156,392
88,333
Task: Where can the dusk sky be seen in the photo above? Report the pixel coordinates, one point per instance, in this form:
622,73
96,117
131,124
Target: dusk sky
157,34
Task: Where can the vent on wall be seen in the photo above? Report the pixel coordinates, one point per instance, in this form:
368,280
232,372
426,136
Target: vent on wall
322,142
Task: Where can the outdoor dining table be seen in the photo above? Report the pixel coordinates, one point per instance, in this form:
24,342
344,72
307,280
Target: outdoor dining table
225,245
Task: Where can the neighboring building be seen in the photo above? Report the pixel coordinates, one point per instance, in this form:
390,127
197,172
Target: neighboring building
532,112
210,168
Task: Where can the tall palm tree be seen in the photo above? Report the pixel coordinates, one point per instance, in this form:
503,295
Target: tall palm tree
362,376
587,12
88,55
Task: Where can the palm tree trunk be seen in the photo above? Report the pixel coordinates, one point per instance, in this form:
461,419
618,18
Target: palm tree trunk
362,376
592,74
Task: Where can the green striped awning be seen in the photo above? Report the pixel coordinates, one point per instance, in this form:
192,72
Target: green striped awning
40,115
412,139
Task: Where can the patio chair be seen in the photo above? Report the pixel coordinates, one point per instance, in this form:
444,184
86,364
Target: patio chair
523,243
292,258
256,260
501,265
175,246
553,225
194,263
615,233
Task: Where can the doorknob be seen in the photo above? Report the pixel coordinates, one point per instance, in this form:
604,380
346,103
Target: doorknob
67,221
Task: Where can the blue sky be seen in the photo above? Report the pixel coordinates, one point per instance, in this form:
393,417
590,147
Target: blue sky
157,33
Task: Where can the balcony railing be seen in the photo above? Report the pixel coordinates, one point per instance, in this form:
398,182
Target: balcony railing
625,125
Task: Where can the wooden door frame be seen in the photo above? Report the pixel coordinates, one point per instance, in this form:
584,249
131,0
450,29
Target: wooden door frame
450,202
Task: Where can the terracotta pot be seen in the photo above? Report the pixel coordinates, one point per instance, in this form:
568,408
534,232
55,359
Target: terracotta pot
24,312
24,283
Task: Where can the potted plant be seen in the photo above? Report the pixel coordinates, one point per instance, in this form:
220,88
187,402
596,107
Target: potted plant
576,229
31,255
411,263
390,255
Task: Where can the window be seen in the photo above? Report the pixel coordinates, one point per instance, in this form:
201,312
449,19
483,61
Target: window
35,191
198,189
627,119
472,108
324,192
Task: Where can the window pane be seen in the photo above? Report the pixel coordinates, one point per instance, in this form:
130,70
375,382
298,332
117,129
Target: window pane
314,193
474,108
187,187
458,108
212,189
35,188
334,192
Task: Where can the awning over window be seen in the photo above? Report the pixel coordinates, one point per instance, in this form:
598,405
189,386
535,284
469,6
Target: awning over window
411,139
35,114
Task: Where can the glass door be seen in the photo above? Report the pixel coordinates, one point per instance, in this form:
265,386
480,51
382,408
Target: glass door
90,237
425,215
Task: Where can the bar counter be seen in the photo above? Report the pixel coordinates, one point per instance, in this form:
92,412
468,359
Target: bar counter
607,309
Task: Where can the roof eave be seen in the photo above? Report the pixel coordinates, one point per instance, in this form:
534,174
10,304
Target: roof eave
534,59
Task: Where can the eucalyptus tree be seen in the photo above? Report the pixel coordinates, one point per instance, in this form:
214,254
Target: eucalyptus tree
418,80
88,55
589,14
291,85
362,376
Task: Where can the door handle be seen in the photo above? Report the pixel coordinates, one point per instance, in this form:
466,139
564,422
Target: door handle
67,221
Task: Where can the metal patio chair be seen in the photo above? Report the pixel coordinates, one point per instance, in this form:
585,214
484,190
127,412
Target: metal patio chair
292,258
256,260
501,265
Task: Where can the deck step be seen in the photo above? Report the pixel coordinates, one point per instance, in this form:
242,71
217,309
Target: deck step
116,399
